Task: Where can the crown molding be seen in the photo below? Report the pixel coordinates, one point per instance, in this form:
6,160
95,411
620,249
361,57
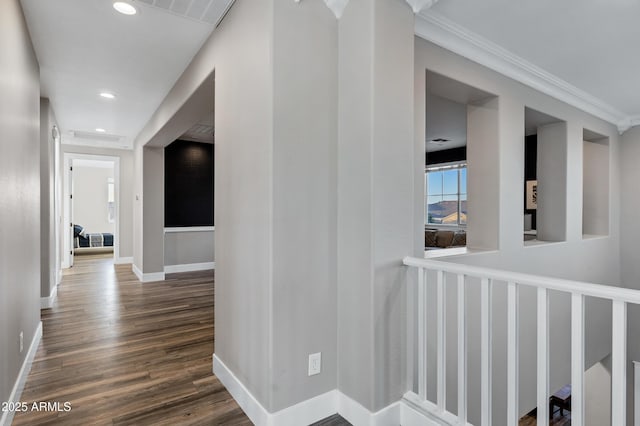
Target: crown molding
420,5
445,33
628,123
336,6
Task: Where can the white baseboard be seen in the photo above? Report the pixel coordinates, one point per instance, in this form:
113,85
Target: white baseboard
311,410
304,413
416,412
59,280
16,392
146,278
249,404
353,412
189,267
123,261
47,302
137,271
409,416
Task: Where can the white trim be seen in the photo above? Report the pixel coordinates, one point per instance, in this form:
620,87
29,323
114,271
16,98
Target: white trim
439,30
417,412
189,267
419,5
123,261
149,277
16,392
308,411
47,302
636,393
336,6
189,229
67,163
137,271
353,412
622,294
249,404
410,416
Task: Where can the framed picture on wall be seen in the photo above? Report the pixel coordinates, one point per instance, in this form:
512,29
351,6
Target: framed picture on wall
532,194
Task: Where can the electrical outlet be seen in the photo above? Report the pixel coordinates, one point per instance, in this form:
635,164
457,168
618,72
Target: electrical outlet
315,363
21,341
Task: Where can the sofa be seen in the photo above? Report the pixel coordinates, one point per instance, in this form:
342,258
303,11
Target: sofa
435,239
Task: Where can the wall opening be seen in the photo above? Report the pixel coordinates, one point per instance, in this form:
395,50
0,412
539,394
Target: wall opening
91,191
461,127
545,178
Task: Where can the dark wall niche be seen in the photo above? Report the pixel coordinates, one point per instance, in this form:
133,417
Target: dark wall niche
530,170
188,184
446,156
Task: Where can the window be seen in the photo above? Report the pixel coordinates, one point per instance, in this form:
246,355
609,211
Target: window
446,196
111,201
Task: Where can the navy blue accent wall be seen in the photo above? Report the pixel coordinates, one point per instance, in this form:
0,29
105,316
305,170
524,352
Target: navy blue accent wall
446,156
188,184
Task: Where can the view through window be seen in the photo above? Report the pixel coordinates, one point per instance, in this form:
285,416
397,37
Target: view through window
111,200
446,196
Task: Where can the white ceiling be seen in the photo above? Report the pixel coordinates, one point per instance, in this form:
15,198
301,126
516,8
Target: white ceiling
202,131
588,44
446,109
85,47
583,47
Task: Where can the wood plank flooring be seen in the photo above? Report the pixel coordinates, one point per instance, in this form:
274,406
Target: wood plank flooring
125,353
556,420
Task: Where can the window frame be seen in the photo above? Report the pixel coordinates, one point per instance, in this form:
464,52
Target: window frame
111,205
455,165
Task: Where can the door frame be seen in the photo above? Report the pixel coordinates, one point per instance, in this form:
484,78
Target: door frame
68,162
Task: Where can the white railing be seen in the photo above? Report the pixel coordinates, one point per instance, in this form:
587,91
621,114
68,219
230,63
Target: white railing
619,297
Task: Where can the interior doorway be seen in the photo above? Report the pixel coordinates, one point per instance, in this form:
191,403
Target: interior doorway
91,206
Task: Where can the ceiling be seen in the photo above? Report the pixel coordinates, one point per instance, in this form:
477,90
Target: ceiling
584,49
579,51
446,111
202,131
85,47
534,119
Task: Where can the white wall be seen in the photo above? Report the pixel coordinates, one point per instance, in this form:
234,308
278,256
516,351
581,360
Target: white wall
551,215
630,258
50,265
375,197
630,157
153,210
595,190
243,194
90,198
304,199
566,259
275,176
597,394
189,247
20,187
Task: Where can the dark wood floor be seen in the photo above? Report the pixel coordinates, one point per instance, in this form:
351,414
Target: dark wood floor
557,419
125,353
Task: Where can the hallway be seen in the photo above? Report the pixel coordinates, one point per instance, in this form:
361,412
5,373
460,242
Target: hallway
122,353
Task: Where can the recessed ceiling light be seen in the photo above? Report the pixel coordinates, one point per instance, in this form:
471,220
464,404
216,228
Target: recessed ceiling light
125,8
99,130
107,95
